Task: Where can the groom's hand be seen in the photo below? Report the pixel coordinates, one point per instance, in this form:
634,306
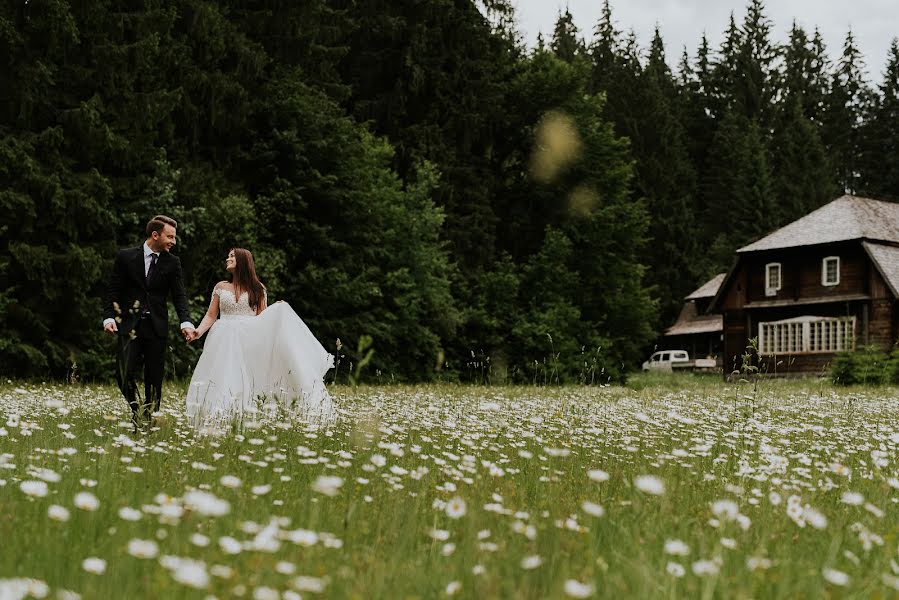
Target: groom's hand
111,328
188,334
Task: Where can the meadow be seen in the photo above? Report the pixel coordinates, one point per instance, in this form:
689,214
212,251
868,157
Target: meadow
668,488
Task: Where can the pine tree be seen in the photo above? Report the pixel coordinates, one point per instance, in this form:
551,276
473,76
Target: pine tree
603,52
880,165
754,93
723,77
802,179
801,170
429,75
846,106
86,111
565,43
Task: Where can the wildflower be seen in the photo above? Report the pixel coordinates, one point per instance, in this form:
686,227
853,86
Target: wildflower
598,475
266,593
86,501
592,508
58,513
705,567
230,481
835,577
890,581
285,568
94,565
143,548
35,489
304,583
191,573
676,548
302,537
576,589
675,569
328,485
206,504
650,484
814,518
725,509
130,514
796,513
261,490
456,508
222,571
453,587
47,475
229,545
754,563
852,498
529,563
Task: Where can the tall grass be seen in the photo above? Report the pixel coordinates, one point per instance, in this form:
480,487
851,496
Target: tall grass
526,462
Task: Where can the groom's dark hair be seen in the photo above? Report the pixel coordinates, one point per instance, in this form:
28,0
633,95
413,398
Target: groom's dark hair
158,222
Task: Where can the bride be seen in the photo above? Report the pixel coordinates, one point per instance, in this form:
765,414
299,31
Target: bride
255,356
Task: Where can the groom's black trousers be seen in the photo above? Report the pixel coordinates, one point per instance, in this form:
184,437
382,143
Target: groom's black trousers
143,349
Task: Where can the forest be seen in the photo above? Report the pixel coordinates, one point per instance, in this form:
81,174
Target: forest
434,198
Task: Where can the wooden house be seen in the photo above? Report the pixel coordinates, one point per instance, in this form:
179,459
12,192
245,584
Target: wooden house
696,330
825,283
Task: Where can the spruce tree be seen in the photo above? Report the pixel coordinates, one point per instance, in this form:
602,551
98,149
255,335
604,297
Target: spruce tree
846,105
880,163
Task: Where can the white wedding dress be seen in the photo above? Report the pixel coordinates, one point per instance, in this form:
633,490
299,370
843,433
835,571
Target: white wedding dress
252,366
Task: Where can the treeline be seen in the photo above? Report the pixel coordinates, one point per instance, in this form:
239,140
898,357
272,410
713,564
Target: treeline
410,172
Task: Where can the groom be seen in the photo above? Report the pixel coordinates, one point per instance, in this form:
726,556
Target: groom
136,310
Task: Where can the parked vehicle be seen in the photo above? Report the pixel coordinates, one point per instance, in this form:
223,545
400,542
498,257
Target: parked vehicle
677,360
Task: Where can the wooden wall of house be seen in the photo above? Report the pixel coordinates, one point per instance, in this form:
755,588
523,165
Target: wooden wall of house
877,321
801,272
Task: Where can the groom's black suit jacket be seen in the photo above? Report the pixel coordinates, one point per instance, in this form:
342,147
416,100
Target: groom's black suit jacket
129,291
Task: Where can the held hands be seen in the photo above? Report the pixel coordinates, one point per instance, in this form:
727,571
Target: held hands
111,328
189,334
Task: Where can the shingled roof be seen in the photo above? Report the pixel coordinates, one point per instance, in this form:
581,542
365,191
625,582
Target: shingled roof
846,218
886,259
709,288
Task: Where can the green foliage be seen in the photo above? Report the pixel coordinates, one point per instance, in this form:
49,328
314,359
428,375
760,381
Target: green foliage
378,159
865,366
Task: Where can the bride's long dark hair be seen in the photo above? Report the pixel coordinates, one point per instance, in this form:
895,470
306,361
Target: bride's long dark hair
244,278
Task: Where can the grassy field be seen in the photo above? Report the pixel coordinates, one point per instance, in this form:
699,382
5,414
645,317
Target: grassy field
670,488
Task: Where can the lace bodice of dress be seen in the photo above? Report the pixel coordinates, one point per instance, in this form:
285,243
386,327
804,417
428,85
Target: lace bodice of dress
229,306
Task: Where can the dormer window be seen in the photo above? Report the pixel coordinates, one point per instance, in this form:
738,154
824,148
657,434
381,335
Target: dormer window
772,279
830,271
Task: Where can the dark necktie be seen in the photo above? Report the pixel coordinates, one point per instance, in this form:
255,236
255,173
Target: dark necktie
153,258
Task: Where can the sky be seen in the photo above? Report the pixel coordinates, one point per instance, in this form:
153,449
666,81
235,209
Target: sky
874,23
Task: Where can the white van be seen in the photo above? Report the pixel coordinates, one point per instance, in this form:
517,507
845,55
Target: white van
670,360
666,360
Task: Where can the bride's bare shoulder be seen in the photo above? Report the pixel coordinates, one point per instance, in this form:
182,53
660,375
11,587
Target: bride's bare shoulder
222,285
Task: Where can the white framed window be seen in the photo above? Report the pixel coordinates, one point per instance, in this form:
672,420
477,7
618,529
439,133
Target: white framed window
807,335
772,279
830,271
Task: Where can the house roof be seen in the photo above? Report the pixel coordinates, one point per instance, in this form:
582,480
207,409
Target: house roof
709,288
886,259
703,324
689,322
846,218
